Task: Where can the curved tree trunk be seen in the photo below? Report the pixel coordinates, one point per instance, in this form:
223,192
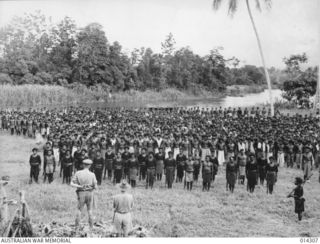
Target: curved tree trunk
262,58
316,103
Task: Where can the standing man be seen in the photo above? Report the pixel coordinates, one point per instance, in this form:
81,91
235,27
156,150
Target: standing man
35,165
251,173
206,174
189,168
123,204
242,161
307,162
180,160
85,182
109,158
98,164
231,173
151,170
170,168
77,158
271,174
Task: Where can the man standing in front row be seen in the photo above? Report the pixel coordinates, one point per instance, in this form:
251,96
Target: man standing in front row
85,182
123,204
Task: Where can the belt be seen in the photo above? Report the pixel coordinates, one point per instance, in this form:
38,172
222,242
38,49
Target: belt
122,212
91,190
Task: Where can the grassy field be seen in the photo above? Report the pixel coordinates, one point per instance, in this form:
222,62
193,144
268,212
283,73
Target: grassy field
173,212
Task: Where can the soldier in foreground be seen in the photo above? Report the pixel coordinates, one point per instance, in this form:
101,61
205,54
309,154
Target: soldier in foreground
85,182
123,204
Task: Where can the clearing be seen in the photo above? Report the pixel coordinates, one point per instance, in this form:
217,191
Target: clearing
175,212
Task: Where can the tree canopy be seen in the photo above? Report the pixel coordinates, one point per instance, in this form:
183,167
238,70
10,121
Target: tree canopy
33,50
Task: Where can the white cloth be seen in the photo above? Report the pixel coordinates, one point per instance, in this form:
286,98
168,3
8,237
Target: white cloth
221,158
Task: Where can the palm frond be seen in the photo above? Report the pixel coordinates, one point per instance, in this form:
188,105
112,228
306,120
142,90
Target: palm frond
233,5
216,4
258,5
268,4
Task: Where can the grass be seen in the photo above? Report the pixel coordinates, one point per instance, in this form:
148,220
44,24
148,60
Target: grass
37,96
173,212
43,96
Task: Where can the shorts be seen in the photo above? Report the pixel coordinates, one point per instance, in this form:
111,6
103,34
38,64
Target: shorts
85,198
123,223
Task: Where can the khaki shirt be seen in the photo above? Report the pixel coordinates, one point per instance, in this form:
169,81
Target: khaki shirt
85,178
123,203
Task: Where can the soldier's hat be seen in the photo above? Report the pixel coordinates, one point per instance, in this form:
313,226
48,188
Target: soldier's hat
87,161
124,186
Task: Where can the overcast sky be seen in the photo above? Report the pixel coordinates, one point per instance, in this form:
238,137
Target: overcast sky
290,27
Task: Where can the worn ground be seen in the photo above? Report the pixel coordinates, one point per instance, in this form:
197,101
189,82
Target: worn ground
173,212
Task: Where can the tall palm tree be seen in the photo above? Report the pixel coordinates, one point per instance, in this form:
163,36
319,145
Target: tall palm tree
232,8
316,103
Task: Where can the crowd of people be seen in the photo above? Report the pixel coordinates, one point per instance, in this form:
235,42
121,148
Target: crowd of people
180,143
174,145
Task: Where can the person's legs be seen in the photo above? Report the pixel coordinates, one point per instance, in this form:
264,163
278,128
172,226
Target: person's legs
81,203
88,198
31,175
271,188
105,172
118,224
110,174
147,181
78,217
126,224
50,177
232,188
151,179
36,174
99,176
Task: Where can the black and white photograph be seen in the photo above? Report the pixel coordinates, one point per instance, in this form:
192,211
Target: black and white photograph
159,119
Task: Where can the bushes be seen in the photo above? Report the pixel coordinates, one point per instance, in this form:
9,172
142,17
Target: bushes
5,79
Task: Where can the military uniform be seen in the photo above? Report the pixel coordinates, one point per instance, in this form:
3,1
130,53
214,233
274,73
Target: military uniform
88,181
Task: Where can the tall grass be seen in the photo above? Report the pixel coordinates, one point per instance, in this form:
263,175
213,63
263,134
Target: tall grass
43,96
36,96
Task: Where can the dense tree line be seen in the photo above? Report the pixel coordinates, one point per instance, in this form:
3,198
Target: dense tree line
300,84
36,51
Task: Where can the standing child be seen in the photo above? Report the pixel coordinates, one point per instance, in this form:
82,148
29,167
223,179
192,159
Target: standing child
67,162
35,164
49,166
297,194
